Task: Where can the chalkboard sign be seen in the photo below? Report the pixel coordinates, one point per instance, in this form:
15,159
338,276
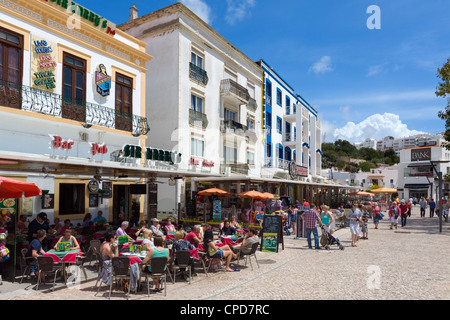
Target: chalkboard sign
191,208
272,233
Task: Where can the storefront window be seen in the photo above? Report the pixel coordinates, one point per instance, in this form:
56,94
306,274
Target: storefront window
71,198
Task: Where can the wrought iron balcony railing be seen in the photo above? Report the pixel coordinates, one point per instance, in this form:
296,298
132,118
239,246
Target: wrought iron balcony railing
198,118
252,104
198,73
233,125
228,86
26,98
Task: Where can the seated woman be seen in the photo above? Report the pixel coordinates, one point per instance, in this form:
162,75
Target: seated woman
159,251
68,237
227,229
108,250
234,223
142,228
216,252
169,227
148,240
181,244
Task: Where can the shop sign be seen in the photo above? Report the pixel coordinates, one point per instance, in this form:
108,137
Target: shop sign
58,143
43,64
136,152
204,163
86,15
102,81
421,154
296,170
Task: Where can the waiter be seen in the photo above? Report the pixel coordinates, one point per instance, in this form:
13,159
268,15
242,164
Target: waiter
40,223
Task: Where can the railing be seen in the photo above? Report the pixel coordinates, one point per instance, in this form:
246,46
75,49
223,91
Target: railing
230,86
413,173
268,131
268,162
283,164
198,73
231,124
269,100
239,168
198,118
31,99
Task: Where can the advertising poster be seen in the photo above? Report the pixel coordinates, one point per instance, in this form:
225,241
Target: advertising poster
269,242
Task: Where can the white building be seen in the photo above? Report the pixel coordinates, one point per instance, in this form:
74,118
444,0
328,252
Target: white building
203,95
291,129
71,97
416,175
384,177
368,143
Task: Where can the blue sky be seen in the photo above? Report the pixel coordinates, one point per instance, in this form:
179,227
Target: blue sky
364,83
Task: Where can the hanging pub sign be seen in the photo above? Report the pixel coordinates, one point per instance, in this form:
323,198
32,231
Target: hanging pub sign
136,152
93,186
102,81
43,64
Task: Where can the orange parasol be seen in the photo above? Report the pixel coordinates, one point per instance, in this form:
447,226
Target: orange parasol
214,192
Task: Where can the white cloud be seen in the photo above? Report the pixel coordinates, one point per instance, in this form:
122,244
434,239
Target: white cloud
374,70
238,10
200,8
376,126
322,66
345,111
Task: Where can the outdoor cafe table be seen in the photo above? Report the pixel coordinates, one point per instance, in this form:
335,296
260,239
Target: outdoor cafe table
63,256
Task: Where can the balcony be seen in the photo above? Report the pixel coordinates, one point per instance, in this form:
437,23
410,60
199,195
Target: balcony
231,125
34,100
198,118
230,87
418,172
198,73
234,168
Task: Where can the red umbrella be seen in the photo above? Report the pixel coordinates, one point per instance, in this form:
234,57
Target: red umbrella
10,188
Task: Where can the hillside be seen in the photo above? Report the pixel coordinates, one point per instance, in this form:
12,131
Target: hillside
343,155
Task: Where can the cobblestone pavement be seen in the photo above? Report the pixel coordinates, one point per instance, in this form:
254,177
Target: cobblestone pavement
408,263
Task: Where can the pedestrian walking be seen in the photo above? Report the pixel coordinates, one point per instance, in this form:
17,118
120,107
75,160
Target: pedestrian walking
403,212
423,206
327,217
354,215
409,205
310,217
376,211
394,212
432,208
365,221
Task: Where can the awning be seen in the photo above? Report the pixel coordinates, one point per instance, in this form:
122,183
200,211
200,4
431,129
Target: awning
417,186
419,164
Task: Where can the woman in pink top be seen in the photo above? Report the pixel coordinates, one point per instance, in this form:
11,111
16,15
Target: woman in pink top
394,212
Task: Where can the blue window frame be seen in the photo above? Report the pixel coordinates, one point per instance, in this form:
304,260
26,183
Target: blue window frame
279,125
288,101
268,93
279,99
287,130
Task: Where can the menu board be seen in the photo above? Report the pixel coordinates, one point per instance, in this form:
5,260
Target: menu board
272,233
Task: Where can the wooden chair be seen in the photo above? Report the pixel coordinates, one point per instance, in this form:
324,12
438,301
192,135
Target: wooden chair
25,259
94,245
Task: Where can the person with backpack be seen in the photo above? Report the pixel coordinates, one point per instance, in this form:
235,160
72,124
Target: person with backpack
394,212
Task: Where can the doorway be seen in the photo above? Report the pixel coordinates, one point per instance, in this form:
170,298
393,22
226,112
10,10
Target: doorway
121,203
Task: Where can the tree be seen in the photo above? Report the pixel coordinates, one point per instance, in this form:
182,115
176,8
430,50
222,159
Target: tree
443,90
365,166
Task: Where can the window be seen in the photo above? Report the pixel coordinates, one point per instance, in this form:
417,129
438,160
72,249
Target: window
124,102
288,131
71,198
229,74
268,93
269,150
279,125
230,115
196,103
288,102
250,158
251,90
11,55
196,60
279,94
74,87
230,154
197,147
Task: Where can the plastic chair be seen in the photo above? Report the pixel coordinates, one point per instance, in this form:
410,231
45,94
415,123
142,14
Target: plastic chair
249,255
159,270
120,270
182,258
46,265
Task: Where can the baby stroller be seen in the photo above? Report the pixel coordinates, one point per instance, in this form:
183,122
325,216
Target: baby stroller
327,239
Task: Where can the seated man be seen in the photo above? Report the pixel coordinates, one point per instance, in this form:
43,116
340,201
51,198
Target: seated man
156,228
99,219
194,237
246,245
121,231
35,250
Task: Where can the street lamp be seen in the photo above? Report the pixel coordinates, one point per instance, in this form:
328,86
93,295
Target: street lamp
439,174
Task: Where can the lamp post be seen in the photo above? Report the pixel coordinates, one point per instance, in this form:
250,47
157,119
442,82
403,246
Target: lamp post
439,174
